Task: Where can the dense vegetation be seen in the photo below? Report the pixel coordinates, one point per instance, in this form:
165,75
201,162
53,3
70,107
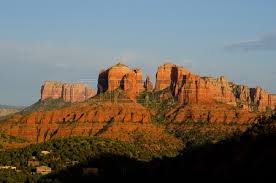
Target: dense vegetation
248,155
112,96
7,140
66,152
198,133
159,102
45,105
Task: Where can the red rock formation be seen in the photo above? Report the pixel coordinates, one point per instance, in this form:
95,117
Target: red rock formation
148,84
272,101
254,99
213,113
70,92
168,74
243,93
51,89
116,75
133,83
263,99
192,89
81,119
205,90
121,77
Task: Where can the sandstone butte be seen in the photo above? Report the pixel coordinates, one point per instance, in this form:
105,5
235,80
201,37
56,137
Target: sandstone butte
69,92
213,100
189,88
122,77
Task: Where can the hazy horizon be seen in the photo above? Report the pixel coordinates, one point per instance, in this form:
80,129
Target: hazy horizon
71,41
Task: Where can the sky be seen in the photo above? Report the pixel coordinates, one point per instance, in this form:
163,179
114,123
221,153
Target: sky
72,40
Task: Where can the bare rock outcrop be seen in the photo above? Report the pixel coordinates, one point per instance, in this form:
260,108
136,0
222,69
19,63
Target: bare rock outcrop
69,92
51,89
255,99
262,99
148,84
122,77
189,88
168,75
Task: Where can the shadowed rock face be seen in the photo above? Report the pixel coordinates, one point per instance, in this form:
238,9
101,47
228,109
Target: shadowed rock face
256,98
168,75
70,92
148,84
262,98
122,77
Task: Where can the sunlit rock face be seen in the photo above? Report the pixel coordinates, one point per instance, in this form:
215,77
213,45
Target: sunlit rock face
69,92
121,77
189,88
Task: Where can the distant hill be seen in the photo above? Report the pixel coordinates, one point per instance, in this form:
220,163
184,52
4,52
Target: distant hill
7,109
11,107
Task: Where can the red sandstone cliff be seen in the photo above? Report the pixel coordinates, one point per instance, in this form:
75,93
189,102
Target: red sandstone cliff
168,75
69,92
189,88
122,77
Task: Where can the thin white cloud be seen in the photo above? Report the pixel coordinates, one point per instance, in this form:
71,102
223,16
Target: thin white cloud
263,43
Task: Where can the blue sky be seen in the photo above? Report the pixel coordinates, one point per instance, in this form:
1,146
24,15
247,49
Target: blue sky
72,41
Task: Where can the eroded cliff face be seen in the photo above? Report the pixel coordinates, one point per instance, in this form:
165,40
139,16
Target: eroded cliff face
76,120
169,75
69,92
206,90
133,83
51,89
189,88
256,99
122,77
